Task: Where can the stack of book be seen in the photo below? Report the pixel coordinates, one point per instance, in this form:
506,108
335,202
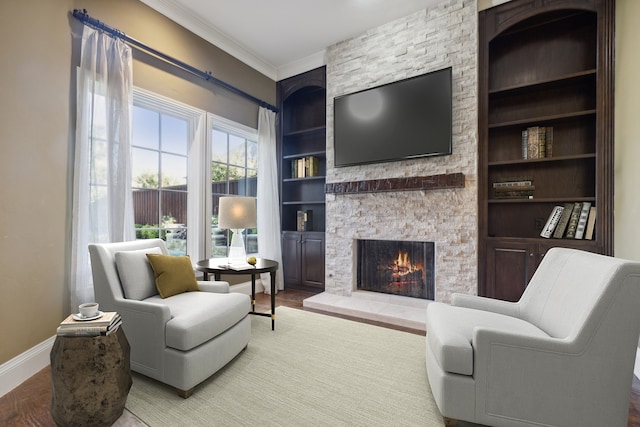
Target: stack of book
304,220
514,187
572,221
107,324
304,167
537,142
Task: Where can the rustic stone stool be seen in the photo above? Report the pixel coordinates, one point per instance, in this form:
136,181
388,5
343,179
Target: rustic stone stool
90,379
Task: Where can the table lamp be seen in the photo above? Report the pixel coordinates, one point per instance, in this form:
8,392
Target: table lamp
237,213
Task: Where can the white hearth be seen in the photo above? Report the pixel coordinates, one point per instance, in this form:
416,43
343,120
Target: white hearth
393,309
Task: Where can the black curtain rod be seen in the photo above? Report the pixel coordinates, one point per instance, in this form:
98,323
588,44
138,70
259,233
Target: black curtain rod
84,17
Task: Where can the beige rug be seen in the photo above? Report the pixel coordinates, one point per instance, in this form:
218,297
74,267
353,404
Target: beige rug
313,370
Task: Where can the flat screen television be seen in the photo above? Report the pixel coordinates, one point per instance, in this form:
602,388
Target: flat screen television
401,120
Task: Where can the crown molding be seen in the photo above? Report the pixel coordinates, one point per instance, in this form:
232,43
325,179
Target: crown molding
302,65
193,23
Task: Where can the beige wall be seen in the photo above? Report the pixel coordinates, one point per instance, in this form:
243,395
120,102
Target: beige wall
36,116
627,134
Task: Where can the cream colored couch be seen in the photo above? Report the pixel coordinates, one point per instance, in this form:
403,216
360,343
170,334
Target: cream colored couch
181,340
563,355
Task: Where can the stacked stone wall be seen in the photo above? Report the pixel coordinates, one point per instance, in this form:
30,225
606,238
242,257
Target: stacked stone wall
429,40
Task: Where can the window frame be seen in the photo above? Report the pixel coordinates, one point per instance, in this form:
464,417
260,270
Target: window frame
230,127
194,117
199,158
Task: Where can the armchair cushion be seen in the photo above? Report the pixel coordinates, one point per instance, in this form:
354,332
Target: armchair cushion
451,333
197,317
174,274
136,275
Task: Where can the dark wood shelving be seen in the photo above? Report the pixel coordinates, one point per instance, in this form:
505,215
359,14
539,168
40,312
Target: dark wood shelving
304,154
306,178
556,200
543,160
304,202
547,82
315,129
302,101
542,119
545,64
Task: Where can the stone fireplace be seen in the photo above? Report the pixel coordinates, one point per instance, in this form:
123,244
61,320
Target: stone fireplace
396,267
444,35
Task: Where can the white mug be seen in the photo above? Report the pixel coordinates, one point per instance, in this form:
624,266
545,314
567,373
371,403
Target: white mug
88,309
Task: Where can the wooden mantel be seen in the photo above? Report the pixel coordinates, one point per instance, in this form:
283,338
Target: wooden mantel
414,183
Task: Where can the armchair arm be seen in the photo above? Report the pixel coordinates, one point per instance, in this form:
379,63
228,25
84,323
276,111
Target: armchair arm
486,304
144,325
216,287
518,374
485,338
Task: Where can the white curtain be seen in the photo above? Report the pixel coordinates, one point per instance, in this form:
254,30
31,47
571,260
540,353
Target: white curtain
102,200
267,200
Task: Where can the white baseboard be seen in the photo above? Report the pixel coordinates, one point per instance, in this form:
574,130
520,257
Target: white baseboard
22,367
636,368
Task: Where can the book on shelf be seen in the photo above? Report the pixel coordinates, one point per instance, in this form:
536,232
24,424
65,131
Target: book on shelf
514,195
498,190
513,187
573,221
511,184
311,166
582,221
304,167
533,145
591,224
518,178
549,141
304,220
552,222
542,142
537,142
107,324
558,233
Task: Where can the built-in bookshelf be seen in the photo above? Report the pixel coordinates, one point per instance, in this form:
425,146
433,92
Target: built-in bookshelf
302,147
546,75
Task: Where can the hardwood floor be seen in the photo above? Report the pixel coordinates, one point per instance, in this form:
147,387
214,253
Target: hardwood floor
29,403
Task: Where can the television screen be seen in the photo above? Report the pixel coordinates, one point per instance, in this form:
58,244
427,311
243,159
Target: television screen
401,120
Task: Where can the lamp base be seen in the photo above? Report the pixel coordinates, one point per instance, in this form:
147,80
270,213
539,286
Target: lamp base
237,253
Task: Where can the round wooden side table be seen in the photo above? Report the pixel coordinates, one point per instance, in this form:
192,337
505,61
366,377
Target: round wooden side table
220,266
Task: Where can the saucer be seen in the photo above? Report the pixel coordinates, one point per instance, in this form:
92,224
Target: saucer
78,316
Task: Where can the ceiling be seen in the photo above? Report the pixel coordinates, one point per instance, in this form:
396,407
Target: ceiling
281,38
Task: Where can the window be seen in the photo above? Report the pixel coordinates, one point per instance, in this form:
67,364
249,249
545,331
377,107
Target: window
162,132
180,169
234,162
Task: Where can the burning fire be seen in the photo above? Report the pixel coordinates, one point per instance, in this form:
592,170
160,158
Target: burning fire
403,266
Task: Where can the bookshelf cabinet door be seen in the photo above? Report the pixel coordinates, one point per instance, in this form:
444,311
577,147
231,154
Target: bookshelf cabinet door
510,266
303,259
313,260
291,258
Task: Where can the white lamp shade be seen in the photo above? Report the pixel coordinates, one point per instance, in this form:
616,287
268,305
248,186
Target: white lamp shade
237,212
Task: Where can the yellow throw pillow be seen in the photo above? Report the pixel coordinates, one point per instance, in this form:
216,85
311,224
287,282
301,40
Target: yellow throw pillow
174,274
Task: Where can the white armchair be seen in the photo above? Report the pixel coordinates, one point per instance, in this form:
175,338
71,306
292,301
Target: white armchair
563,355
180,340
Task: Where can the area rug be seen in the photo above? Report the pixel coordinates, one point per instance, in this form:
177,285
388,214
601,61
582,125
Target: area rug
313,370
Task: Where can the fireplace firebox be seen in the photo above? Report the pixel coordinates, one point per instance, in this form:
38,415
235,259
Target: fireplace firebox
396,267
